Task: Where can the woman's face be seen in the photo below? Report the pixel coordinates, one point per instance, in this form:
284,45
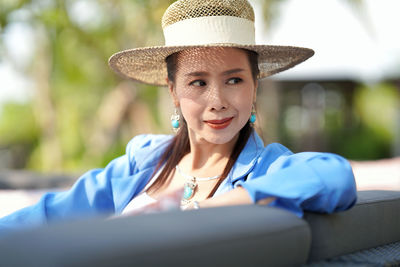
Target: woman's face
215,90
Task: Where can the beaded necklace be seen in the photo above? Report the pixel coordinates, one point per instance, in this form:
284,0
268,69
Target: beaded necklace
189,188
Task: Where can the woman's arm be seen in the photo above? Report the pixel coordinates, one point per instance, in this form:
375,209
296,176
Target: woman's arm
311,181
236,196
98,192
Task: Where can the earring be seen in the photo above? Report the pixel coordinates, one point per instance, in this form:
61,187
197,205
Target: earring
175,120
253,115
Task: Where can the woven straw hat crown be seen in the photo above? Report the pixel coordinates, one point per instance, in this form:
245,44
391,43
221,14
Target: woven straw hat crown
204,23
185,9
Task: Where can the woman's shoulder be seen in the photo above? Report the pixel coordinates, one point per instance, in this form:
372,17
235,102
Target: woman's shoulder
148,140
278,148
147,147
255,143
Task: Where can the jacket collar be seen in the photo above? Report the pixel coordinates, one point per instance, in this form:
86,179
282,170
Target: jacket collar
243,165
247,158
148,155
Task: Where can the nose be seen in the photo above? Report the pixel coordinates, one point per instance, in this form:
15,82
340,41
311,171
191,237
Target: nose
217,99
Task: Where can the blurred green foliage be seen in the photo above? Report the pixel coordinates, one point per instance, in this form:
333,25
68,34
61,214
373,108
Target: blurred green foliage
372,136
355,120
73,40
377,107
18,125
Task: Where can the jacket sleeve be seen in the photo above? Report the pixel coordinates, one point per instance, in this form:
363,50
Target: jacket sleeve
91,195
308,181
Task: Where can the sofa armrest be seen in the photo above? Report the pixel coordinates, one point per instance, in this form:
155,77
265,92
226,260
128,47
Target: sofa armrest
372,222
226,236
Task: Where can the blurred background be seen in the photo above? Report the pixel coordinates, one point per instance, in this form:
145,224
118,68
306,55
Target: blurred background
63,111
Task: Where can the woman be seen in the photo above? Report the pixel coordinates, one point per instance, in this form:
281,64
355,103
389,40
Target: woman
211,66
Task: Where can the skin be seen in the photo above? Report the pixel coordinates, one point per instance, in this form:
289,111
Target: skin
215,90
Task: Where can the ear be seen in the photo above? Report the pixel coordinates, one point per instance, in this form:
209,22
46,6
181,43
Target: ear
172,92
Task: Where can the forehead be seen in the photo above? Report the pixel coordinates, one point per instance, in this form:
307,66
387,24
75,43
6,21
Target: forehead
212,59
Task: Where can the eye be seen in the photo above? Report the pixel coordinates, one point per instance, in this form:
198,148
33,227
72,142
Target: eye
198,83
234,80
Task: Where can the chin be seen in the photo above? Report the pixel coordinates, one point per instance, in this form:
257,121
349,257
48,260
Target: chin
220,139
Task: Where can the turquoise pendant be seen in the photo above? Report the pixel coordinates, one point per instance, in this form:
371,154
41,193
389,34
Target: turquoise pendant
189,190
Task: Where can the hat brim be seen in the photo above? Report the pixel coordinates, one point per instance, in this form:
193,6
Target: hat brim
147,65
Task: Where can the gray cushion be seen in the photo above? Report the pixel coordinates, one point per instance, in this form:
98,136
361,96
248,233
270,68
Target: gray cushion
374,221
227,236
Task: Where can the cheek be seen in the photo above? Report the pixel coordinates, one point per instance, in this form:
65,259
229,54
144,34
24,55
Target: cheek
245,111
190,109
244,102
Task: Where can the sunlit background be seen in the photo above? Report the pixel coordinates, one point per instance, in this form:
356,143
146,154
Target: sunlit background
62,110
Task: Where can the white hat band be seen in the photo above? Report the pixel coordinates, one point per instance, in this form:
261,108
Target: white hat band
210,30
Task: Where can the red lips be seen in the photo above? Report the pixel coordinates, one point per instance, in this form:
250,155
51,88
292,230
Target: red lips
219,124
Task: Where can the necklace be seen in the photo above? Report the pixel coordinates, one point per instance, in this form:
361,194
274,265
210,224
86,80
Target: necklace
189,188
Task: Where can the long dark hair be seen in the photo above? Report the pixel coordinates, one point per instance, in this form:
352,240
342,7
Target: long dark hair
179,146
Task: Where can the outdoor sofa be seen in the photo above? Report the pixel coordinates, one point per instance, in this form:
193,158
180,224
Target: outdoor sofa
366,235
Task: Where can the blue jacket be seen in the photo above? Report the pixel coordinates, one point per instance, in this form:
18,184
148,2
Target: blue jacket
319,182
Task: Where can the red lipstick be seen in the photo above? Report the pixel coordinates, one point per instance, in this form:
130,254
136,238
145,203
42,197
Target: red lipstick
219,124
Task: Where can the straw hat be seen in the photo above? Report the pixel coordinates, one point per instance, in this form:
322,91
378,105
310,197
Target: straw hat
204,23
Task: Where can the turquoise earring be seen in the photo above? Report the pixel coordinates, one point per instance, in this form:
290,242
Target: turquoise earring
253,117
175,120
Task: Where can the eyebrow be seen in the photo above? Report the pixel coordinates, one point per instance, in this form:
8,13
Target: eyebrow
203,73
197,73
232,71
